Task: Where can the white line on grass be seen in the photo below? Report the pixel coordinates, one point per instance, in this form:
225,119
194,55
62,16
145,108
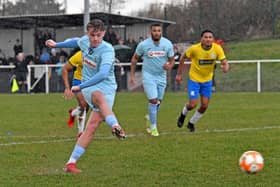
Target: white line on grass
67,139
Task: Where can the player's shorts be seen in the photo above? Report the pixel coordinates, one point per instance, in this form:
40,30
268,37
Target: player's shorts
154,85
196,88
76,82
108,91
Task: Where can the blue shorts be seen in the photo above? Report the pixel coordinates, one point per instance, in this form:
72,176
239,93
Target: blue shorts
76,82
154,85
108,92
196,88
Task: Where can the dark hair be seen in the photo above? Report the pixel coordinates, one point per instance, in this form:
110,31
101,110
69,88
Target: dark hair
96,24
206,31
155,25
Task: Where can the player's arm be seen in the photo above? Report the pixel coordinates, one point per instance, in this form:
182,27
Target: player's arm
98,77
222,58
65,70
68,43
134,61
225,65
170,64
171,60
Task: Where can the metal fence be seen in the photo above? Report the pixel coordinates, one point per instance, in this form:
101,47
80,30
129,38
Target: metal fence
244,76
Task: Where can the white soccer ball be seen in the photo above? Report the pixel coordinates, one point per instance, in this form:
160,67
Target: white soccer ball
251,162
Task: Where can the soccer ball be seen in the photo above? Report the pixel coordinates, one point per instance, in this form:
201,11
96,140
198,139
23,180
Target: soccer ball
251,162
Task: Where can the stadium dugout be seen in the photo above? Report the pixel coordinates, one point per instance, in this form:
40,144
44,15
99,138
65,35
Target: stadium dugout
67,25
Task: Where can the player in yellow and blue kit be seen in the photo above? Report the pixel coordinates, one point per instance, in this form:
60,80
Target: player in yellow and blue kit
203,57
75,63
98,85
156,52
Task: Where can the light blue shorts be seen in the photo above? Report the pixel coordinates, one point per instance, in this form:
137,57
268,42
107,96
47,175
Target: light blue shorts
107,91
154,85
196,88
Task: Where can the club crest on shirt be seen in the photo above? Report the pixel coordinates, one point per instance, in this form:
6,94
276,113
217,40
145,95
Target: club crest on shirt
156,53
213,55
90,63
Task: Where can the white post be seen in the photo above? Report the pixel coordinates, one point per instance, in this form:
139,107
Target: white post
28,78
259,76
86,14
47,79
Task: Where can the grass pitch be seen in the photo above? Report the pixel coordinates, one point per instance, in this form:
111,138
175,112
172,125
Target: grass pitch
35,143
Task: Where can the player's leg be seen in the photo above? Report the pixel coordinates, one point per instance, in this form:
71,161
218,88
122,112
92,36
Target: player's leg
104,104
193,93
82,113
94,121
76,111
151,91
205,92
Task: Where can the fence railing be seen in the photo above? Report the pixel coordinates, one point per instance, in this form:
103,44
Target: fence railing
45,70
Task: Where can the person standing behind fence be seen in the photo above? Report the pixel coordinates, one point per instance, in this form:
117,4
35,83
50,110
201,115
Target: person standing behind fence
21,72
58,71
17,47
175,86
158,58
203,57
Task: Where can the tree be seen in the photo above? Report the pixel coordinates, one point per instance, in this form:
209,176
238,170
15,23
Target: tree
228,19
23,7
107,5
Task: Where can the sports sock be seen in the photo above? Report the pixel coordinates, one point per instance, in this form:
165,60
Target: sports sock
76,111
197,115
185,110
111,120
76,154
152,108
81,121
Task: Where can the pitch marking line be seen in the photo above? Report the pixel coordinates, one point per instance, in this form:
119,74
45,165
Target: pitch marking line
133,135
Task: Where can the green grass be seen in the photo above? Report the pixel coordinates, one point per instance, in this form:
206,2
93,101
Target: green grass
259,49
209,157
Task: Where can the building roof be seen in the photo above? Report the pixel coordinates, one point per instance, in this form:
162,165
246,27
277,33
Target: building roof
70,20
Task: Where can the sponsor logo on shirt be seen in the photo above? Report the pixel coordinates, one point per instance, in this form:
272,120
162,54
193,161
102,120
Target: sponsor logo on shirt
156,53
206,62
89,63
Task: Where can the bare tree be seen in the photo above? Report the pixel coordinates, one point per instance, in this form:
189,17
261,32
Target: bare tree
32,7
229,19
107,5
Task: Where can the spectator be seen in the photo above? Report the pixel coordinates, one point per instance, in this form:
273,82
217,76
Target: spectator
54,57
17,47
110,36
45,57
61,52
3,59
175,86
131,43
58,70
21,71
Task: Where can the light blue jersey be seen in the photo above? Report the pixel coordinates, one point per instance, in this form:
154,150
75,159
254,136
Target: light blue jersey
155,56
153,73
93,58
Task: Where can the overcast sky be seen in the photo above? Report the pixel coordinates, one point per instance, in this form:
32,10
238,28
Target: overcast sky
76,6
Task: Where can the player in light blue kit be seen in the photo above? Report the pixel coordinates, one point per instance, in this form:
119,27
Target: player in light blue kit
158,57
98,85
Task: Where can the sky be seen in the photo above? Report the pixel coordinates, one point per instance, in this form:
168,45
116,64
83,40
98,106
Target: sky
76,6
